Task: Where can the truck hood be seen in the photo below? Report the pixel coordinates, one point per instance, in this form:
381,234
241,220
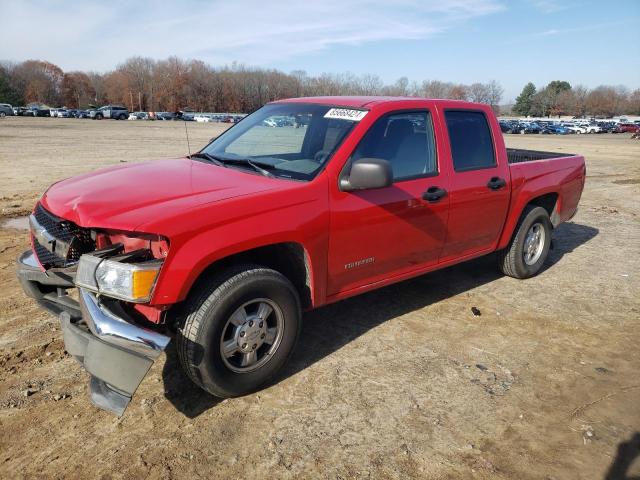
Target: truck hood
127,196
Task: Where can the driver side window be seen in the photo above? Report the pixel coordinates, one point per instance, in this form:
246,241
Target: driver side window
406,140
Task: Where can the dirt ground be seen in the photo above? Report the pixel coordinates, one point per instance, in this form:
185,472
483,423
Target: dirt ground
404,382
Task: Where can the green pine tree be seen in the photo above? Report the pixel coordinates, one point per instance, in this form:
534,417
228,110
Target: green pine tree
524,101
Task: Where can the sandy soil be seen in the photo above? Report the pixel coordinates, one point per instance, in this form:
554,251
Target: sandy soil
404,382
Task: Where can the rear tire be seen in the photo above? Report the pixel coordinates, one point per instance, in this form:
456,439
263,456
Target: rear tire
240,328
529,246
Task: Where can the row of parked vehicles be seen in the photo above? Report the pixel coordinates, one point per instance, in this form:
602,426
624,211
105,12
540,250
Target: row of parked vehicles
568,127
116,112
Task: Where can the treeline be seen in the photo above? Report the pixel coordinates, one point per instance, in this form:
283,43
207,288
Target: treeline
560,98
174,84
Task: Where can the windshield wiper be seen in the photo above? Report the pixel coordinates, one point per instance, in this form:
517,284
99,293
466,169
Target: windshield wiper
250,162
208,156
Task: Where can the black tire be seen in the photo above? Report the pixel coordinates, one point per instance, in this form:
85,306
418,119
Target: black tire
511,260
98,116
206,313
122,117
2,114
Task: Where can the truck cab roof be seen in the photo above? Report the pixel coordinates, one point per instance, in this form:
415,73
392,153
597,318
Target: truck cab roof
369,101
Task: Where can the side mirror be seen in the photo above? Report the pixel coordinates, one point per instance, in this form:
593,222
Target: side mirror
367,173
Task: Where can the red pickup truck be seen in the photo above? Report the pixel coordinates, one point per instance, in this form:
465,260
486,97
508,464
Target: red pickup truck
305,202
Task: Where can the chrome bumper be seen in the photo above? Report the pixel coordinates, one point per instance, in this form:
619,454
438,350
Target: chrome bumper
114,330
116,353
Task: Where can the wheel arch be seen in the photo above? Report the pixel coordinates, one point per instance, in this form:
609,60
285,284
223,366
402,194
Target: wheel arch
291,259
550,201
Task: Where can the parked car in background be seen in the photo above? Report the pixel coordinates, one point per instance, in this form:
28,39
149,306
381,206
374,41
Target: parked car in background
555,129
531,127
66,113
627,128
38,112
82,113
575,128
6,110
607,127
185,116
593,128
166,116
116,112
138,116
202,118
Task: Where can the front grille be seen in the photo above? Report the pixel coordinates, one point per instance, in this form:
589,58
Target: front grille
78,238
57,227
47,258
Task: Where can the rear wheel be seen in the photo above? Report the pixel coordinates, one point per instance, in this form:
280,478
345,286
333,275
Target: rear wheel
122,117
529,247
98,116
2,114
239,330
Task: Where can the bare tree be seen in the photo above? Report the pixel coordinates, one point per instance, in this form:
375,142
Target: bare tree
174,84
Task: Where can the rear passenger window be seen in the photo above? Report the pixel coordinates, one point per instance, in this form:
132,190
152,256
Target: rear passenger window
405,140
470,137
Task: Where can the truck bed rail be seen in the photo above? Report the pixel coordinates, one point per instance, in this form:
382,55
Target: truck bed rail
516,155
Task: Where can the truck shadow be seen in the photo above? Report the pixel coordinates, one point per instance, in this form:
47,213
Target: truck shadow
627,453
329,328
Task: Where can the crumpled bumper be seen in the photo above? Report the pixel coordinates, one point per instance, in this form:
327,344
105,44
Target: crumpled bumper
116,352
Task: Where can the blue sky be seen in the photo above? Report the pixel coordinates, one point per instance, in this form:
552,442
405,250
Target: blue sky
583,42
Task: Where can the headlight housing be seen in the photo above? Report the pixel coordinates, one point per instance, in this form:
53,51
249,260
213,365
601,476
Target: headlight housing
133,282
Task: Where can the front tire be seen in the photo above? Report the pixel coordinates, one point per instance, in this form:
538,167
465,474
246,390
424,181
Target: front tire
240,328
529,247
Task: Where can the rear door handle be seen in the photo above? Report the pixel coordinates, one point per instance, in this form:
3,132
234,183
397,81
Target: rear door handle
496,183
434,194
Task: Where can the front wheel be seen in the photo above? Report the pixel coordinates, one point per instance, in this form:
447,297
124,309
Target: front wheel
240,328
529,247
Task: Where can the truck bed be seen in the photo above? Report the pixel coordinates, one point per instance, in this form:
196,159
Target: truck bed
517,155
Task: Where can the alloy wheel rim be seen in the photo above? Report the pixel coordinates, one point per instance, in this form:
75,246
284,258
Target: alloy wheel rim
534,244
251,335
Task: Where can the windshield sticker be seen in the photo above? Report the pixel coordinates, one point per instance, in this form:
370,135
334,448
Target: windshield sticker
346,114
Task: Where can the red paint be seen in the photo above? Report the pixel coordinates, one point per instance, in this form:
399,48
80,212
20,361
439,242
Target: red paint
207,213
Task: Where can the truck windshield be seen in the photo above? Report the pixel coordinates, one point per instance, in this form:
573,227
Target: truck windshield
289,140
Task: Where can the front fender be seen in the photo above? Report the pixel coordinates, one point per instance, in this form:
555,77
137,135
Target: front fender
253,222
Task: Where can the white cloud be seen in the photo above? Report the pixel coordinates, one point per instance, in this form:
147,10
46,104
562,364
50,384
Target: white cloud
98,35
549,6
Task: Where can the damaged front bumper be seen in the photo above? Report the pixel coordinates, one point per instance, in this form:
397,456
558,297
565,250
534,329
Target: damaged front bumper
115,351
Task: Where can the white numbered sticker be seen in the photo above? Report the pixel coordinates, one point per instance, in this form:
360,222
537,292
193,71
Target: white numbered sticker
346,114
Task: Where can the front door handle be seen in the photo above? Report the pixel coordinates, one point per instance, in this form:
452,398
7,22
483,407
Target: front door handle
496,183
434,194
